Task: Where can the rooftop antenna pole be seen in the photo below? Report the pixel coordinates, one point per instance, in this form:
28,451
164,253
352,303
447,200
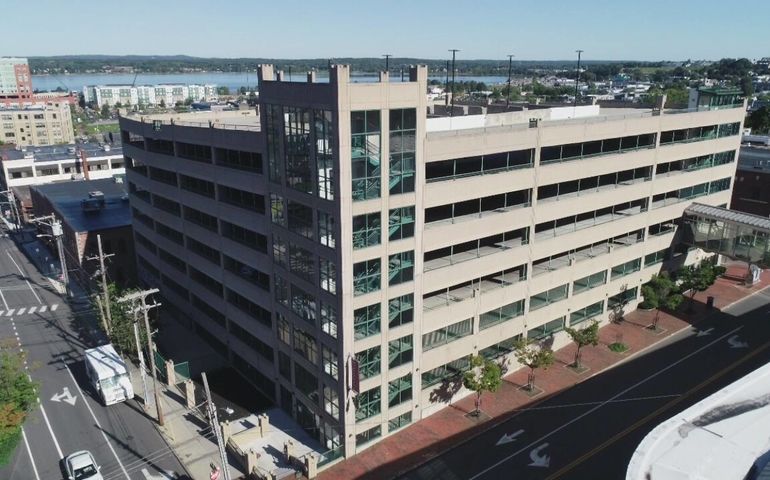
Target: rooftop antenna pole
446,85
387,61
454,51
508,93
290,73
577,77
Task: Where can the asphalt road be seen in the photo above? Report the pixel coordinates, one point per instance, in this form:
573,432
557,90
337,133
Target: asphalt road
591,430
69,418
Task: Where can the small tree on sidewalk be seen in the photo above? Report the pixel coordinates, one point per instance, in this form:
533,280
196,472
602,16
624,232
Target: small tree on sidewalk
698,278
484,375
533,356
121,332
582,337
661,292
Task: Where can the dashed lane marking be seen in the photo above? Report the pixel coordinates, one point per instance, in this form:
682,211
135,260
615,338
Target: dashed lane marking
10,312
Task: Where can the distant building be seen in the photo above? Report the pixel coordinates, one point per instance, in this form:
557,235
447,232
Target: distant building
149,95
87,209
750,191
43,124
81,161
15,78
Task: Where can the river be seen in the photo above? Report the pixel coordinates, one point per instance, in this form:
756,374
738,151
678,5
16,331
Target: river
231,80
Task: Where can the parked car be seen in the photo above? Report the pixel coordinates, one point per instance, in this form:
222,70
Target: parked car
82,466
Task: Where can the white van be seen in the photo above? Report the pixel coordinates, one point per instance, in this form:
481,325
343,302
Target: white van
108,374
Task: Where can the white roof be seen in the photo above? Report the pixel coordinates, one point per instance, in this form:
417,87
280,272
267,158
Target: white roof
105,361
718,438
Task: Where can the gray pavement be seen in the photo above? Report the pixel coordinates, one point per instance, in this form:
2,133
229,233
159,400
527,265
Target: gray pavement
53,333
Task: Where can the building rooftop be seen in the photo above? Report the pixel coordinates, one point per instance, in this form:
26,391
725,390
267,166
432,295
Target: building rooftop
226,119
66,197
754,158
49,153
721,437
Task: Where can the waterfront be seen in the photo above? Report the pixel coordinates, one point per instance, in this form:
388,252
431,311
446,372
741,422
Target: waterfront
231,80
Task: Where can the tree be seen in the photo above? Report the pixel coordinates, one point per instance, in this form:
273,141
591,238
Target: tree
162,103
747,86
582,337
223,90
105,112
533,356
698,278
661,292
759,120
484,375
18,395
121,329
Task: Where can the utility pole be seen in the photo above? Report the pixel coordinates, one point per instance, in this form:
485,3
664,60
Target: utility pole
577,77
452,111
103,272
142,297
446,86
508,93
57,232
13,209
141,356
387,63
212,411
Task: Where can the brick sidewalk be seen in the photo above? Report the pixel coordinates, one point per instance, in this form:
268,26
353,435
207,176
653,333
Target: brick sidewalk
438,432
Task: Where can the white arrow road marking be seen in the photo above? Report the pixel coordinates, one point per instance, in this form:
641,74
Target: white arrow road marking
10,312
32,309
703,333
539,460
43,309
509,437
66,396
21,311
54,307
735,342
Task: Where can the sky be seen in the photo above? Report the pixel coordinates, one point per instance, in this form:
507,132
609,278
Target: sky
482,29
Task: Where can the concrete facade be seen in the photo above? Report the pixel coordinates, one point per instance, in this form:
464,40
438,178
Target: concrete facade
48,124
15,78
750,193
377,248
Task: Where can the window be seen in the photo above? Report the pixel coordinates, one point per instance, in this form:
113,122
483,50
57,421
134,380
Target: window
368,362
548,297
200,153
586,313
252,309
247,272
366,276
366,321
301,262
326,229
502,314
303,304
366,230
166,205
331,402
445,335
547,329
403,124
400,268
330,363
305,345
201,219
501,348
400,421
277,210
368,404
169,233
239,198
297,146
365,154
401,310
328,275
164,176
623,298
400,390
197,185
400,351
328,319
281,290
248,161
244,236
203,250
445,372
206,281
284,329
592,281
306,382
262,348
401,223
209,311
655,257
627,268
170,259
300,219
369,435
324,141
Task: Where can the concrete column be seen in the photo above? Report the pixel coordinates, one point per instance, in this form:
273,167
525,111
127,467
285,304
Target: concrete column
311,76
265,72
279,76
288,450
227,430
251,461
170,373
340,75
311,466
189,393
384,77
264,424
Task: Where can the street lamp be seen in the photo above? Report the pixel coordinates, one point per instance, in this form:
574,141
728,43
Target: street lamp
577,77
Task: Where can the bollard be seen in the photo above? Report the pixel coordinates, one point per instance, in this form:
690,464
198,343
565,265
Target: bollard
189,393
311,466
264,425
170,373
251,460
288,450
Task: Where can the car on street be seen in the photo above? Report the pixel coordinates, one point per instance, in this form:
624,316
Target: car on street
82,466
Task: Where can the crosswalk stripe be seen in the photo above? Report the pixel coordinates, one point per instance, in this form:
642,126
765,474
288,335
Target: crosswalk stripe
1,312
21,311
54,307
32,309
10,312
43,308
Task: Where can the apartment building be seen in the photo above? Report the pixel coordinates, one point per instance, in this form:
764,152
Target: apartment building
348,253
47,124
148,95
15,78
